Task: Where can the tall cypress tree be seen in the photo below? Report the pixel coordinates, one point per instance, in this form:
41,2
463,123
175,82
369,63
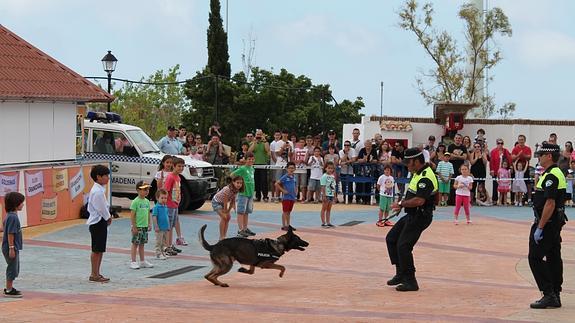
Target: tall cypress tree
218,56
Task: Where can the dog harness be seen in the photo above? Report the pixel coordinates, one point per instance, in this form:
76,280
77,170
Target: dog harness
268,250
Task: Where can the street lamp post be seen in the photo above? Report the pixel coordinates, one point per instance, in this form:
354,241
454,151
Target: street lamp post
109,63
381,103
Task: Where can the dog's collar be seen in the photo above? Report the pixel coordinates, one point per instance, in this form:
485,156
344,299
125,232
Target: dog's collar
278,247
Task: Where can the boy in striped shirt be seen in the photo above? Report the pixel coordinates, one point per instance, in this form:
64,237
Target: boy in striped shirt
444,172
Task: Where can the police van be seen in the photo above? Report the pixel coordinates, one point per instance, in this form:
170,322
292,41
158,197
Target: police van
135,156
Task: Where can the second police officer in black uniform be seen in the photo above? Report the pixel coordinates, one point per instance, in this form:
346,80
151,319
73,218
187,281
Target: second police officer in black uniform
545,235
419,204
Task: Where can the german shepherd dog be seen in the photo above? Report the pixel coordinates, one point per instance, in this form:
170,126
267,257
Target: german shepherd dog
261,253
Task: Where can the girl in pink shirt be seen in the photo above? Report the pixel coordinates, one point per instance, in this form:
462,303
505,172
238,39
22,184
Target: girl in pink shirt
504,182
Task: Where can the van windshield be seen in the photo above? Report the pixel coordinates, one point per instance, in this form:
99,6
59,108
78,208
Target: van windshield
144,143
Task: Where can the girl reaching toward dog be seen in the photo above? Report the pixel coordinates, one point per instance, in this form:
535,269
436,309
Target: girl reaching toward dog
225,200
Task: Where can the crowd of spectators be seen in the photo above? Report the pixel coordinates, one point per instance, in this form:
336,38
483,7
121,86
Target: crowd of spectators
359,163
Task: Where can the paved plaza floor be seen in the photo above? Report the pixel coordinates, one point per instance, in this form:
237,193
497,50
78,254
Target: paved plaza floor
466,273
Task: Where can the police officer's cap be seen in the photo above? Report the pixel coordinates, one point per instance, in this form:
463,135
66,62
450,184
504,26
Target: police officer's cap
547,148
411,153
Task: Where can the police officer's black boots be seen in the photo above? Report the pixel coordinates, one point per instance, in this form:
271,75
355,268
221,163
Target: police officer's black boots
408,285
397,279
549,300
558,296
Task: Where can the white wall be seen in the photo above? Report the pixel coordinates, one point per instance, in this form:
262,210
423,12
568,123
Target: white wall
508,132
37,131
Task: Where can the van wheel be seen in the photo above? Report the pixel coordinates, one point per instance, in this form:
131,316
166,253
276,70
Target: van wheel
185,197
196,205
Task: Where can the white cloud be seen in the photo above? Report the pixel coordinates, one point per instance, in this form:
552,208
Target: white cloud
531,12
347,37
545,48
27,7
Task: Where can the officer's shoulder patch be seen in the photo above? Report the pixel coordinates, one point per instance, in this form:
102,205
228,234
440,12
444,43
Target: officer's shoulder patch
548,183
421,185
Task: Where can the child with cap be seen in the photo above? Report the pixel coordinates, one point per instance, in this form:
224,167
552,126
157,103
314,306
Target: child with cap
141,220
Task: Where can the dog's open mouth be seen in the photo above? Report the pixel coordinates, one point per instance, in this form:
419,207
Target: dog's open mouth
302,245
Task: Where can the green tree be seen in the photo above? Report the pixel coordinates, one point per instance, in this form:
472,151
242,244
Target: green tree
269,101
151,107
218,56
458,74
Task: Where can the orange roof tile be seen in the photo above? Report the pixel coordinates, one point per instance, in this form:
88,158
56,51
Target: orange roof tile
27,73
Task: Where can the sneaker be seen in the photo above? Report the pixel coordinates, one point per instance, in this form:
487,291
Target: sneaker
292,228
13,293
329,225
181,241
324,225
145,264
176,249
388,223
170,252
134,265
455,222
242,234
266,200
469,222
161,256
250,232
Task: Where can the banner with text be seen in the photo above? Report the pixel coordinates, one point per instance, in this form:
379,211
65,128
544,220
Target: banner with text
34,183
60,179
77,184
49,208
8,183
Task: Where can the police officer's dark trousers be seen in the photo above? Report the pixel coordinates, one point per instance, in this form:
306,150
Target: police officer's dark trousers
401,239
548,272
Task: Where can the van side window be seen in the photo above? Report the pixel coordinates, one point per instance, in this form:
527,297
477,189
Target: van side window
112,143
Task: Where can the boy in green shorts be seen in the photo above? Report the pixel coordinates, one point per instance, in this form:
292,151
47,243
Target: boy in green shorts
141,220
444,173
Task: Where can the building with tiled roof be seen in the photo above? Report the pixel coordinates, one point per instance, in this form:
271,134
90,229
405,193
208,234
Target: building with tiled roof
27,73
39,97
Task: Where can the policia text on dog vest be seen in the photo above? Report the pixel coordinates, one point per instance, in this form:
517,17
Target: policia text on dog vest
548,273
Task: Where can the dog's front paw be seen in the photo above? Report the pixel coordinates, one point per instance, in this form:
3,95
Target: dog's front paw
281,274
243,270
224,285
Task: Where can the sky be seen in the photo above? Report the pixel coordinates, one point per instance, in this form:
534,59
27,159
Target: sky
351,45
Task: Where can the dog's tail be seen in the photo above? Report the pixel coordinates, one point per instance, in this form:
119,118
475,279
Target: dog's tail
203,241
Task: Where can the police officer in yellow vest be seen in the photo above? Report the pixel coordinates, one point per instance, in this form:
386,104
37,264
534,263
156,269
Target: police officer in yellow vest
419,204
545,235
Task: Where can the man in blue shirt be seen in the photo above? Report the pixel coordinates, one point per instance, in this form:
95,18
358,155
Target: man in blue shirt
170,144
287,185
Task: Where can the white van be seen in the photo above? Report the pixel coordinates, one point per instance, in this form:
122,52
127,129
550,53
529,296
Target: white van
135,156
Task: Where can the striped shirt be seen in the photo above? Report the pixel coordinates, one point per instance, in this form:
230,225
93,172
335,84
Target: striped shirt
445,169
224,194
